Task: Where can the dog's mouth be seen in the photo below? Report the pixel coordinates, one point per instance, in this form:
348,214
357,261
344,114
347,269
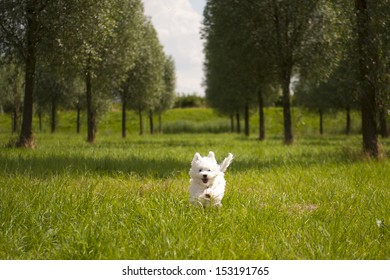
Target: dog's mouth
205,180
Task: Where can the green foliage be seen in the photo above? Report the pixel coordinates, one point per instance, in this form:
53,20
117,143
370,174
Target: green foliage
145,80
254,46
167,97
11,90
338,91
231,59
128,199
79,41
190,101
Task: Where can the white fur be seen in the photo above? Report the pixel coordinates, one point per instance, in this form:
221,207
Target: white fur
207,184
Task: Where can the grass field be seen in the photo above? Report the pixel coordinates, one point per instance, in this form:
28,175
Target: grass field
128,199
202,120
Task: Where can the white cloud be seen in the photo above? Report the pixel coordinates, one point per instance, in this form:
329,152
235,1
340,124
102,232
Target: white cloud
178,26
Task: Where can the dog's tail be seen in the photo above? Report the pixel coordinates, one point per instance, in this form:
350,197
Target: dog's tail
226,162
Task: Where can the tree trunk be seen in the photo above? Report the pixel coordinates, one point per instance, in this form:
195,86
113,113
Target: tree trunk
348,126
40,120
53,121
261,116
151,124
321,113
369,127
383,123
160,129
14,117
124,105
368,71
141,123
26,138
78,120
288,136
91,116
231,123
246,117
238,123
285,64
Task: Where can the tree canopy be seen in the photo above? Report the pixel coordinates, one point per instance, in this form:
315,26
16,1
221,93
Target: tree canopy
101,43
250,45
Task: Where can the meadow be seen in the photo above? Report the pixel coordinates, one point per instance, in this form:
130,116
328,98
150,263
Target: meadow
128,198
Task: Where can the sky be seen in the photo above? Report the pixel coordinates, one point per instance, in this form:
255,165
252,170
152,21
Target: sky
178,24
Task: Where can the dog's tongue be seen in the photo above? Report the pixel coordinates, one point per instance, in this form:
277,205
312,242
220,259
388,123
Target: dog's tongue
205,180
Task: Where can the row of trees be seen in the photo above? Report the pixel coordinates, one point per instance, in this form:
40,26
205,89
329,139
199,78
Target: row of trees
80,54
337,52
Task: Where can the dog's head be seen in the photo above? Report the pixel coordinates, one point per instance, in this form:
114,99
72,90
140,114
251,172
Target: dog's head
204,169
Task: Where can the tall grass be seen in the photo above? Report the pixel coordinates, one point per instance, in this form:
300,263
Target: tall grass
181,126
128,199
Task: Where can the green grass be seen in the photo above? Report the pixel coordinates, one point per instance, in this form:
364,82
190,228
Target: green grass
201,120
128,199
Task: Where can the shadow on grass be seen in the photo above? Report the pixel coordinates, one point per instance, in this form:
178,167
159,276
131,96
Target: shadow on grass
74,165
168,157
166,167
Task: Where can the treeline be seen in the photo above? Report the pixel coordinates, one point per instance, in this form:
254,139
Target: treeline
326,54
80,55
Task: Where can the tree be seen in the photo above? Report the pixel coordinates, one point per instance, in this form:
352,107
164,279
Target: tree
344,83
315,98
381,23
144,82
368,75
338,91
77,100
124,93
11,91
23,25
101,39
230,78
52,87
251,44
296,36
167,96
362,71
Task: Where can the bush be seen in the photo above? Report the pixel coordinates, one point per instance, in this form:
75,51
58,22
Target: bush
190,101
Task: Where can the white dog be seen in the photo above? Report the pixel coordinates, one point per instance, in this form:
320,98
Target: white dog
207,184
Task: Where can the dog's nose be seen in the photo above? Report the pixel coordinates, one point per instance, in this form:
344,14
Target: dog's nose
204,176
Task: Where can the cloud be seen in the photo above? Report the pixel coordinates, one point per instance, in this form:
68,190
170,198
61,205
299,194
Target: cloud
178,26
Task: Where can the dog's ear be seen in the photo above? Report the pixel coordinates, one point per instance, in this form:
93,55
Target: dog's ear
196,157
211,155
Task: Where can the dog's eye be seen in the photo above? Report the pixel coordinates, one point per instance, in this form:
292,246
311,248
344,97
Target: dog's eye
209,170
200,170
